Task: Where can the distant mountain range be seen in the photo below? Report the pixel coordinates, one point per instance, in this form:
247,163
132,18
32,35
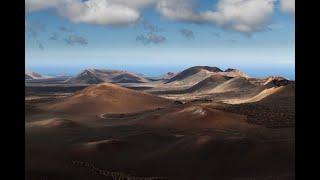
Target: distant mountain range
96,76
32,75
201,77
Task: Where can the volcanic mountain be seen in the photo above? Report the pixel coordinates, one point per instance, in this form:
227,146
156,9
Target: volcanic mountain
234,84
167,76
33,75
209,83
193,75
108,98
283,93
95,76
276,90
234,73
275,81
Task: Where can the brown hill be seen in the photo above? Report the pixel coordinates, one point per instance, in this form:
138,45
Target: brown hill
128,78
276,94
33,75
275,81
284,93
234,73
108,98
167,76
196,74
86,77
95,76
192,71
235,84
209,83
199,116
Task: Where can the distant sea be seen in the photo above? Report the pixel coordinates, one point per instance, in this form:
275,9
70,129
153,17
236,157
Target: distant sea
287,72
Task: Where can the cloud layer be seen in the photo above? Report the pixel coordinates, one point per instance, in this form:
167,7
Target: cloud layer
36,5
288,6
241,15
100,12
178,10
244,16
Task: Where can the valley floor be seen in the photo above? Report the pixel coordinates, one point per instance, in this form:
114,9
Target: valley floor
193,138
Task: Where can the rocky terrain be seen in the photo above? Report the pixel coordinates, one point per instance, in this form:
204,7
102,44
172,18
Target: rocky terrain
202,123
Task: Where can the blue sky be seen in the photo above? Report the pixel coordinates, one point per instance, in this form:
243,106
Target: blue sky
156,40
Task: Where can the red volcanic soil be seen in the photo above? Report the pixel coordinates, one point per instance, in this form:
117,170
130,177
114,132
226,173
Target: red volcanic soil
107,98
198,116
52,123
134,133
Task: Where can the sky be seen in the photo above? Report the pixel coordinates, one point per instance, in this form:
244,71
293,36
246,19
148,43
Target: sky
157,36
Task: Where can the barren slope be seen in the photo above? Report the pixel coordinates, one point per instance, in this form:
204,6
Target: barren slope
234,84
95,76
108,98
209,83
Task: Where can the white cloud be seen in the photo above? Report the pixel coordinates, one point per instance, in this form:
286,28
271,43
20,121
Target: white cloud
244,16
136,4
100,12
241,15
178,10
288,6
37,5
